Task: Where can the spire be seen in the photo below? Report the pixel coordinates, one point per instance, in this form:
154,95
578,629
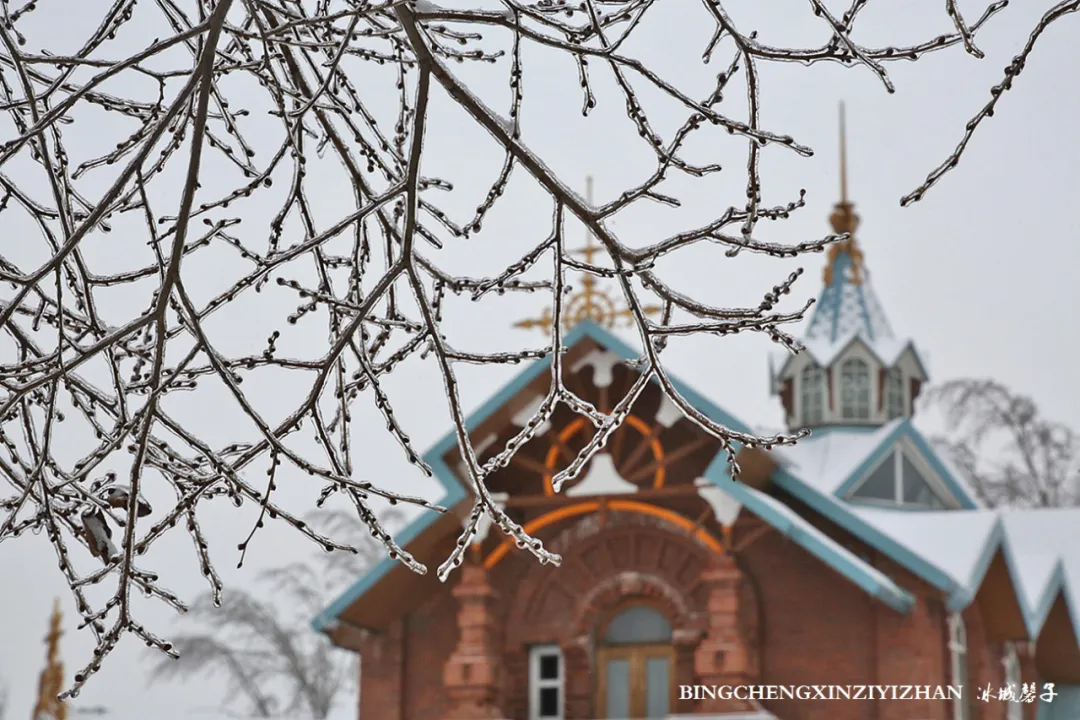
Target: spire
591,303
847,304
844,220
52,677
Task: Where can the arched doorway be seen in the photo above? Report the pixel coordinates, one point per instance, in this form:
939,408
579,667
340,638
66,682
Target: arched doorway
636,666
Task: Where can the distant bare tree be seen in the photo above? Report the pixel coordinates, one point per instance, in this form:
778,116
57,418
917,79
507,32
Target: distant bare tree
197,107
262,641
1009,453
3,700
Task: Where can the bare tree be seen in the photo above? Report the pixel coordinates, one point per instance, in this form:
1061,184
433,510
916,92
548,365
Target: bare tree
231,97
3,700
262,642
1008,452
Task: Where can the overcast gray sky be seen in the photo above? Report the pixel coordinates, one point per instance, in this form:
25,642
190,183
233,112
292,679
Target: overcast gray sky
981,273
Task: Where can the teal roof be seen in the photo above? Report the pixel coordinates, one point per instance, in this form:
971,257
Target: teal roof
846,308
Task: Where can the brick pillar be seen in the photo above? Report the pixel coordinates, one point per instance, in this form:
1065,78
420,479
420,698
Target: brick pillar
471,674
727,655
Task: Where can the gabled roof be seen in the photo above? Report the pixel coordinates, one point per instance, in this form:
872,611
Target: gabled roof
785,520
833,460
792,525
953,549
848,312
455,492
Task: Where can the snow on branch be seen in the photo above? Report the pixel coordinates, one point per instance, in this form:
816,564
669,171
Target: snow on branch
107,248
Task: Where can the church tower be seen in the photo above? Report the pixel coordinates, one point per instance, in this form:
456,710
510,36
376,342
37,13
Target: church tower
48,707
855,371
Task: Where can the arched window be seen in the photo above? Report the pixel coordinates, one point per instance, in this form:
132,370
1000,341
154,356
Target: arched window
812,396
855,390
638,625
1011,661
959,658
636,662
894,394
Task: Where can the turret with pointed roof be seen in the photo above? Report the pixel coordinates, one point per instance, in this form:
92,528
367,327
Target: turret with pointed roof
855,371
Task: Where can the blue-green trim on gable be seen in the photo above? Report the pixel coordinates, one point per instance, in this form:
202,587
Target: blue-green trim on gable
835,511
995,540
455,491
906,430
959,594
813,541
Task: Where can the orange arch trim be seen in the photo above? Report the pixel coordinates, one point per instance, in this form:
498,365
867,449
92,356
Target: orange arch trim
584,508
577,424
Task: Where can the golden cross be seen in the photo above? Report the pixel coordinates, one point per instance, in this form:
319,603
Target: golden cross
591,303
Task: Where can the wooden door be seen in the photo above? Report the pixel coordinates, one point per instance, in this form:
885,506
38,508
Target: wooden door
635,682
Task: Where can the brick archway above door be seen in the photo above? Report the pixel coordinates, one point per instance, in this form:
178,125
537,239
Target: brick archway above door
597,605
651,562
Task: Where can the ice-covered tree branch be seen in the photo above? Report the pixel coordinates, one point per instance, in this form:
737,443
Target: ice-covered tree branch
1009,453
163,180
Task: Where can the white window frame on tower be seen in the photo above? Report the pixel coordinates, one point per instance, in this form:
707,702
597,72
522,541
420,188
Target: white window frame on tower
895,456
958,657
812,387
894,394
1013,679
855,400
536,683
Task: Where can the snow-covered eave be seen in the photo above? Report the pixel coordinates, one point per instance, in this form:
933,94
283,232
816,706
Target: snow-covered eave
964,590
836,349
793,526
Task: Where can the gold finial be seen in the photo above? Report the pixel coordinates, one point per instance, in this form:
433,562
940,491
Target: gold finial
52,677
591,303
844,219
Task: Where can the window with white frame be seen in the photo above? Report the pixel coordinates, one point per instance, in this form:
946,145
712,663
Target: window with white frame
1011,661
855,389
894,394
959,661
812,400
897,481
547,683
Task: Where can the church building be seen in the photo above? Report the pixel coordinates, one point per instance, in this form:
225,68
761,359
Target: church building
855,558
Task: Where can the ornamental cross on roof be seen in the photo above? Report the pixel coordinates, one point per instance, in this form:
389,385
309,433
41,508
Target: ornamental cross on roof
592,302
48,707
848,305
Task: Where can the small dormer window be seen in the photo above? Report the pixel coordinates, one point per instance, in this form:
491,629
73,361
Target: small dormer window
894,394
897,482
813,396
855,390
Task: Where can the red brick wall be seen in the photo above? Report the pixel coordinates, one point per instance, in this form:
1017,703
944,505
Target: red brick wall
815,627
380,674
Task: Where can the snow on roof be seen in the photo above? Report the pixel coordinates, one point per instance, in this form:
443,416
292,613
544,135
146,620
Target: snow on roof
805,533
827,458
849,310
847,306
1038,539
954,541
886,349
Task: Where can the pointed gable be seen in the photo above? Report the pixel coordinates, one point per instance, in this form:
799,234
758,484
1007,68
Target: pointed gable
657,439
